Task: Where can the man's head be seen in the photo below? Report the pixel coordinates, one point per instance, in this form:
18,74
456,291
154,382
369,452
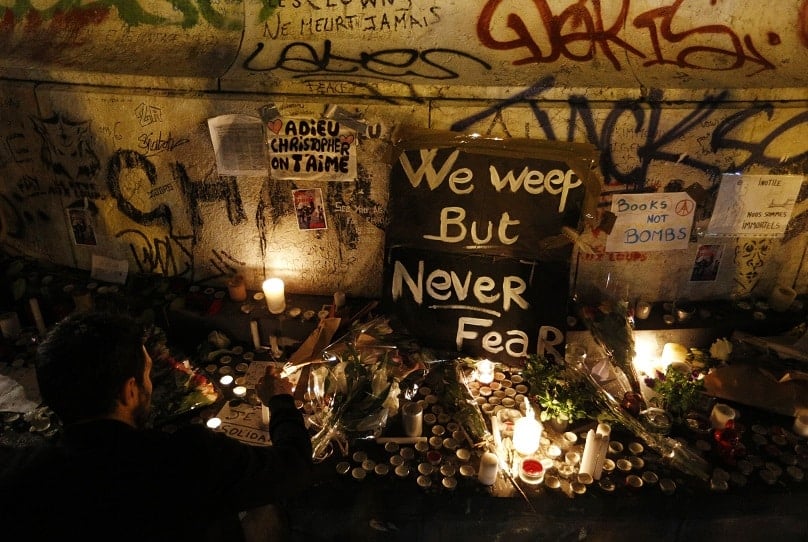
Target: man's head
93,365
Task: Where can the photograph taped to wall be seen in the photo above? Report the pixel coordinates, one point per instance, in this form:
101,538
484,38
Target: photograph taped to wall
707,262
309,208
81,227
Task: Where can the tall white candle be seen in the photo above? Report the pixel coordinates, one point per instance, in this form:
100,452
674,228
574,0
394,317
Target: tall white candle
604,431
37,314
590,453
256,336
274,295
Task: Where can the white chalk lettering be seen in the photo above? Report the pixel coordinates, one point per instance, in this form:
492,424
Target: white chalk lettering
441,285
453,218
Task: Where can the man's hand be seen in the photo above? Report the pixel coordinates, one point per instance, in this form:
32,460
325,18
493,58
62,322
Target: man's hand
271,384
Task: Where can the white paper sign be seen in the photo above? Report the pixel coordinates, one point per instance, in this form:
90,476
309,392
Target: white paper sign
109,269
242,421
311,149
238,141
651,222
754,205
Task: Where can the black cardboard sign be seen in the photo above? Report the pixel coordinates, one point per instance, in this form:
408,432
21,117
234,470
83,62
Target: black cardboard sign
476,304
486,200
479,247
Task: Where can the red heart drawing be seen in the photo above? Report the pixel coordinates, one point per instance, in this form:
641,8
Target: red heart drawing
275,125
347,139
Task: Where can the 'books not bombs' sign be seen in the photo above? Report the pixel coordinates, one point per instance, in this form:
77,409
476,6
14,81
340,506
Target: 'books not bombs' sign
476,258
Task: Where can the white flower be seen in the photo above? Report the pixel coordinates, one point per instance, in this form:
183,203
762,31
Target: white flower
721,349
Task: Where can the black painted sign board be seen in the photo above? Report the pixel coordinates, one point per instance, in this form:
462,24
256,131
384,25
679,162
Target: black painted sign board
479,240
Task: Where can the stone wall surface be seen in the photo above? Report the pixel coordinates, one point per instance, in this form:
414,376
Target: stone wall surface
104,110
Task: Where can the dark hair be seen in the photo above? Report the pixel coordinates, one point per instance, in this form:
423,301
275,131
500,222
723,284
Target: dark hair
84,361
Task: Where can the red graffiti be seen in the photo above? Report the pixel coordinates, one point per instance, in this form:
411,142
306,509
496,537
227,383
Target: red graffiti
802,23
579,31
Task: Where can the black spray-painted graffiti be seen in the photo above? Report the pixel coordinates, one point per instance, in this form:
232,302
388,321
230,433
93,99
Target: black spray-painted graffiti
579,31
303,59
66,146
159,254
646,117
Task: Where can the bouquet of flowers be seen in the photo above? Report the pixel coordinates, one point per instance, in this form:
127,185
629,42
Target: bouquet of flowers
673,452
357,387
611,327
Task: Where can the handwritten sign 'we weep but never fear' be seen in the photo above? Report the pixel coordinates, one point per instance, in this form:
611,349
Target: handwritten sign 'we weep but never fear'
477,261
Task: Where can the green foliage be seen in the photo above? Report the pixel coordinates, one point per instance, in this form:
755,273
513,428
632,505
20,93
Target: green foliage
678,392
560,392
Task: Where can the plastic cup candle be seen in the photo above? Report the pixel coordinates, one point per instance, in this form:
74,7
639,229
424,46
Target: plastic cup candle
274,295
485,371
527,433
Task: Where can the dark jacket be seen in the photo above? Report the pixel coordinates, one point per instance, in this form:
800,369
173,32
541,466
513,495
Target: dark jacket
105,480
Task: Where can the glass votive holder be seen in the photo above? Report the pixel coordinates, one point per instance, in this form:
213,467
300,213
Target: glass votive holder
572,458
667,486
531,470
568,440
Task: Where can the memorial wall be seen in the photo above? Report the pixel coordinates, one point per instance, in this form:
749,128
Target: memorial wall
208,138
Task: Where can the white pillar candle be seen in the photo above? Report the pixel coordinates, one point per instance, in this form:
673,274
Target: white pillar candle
256,336
604,430
264,415
339,299
590,452
274,295
527,435
485,371
721,415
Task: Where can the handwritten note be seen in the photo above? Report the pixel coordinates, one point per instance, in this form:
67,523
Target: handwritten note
651,222
754,205
242,421
311,149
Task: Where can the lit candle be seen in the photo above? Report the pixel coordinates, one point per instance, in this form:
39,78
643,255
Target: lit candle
214,423
240,391
527,433
274,295
485,371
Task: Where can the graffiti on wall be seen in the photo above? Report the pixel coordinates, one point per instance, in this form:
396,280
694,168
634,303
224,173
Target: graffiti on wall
579,32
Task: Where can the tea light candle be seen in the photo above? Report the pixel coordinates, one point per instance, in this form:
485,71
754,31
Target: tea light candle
720,415
240,391
274,295
485,371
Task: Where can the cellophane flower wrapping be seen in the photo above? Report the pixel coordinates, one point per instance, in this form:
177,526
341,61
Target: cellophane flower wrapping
357,388
609,322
